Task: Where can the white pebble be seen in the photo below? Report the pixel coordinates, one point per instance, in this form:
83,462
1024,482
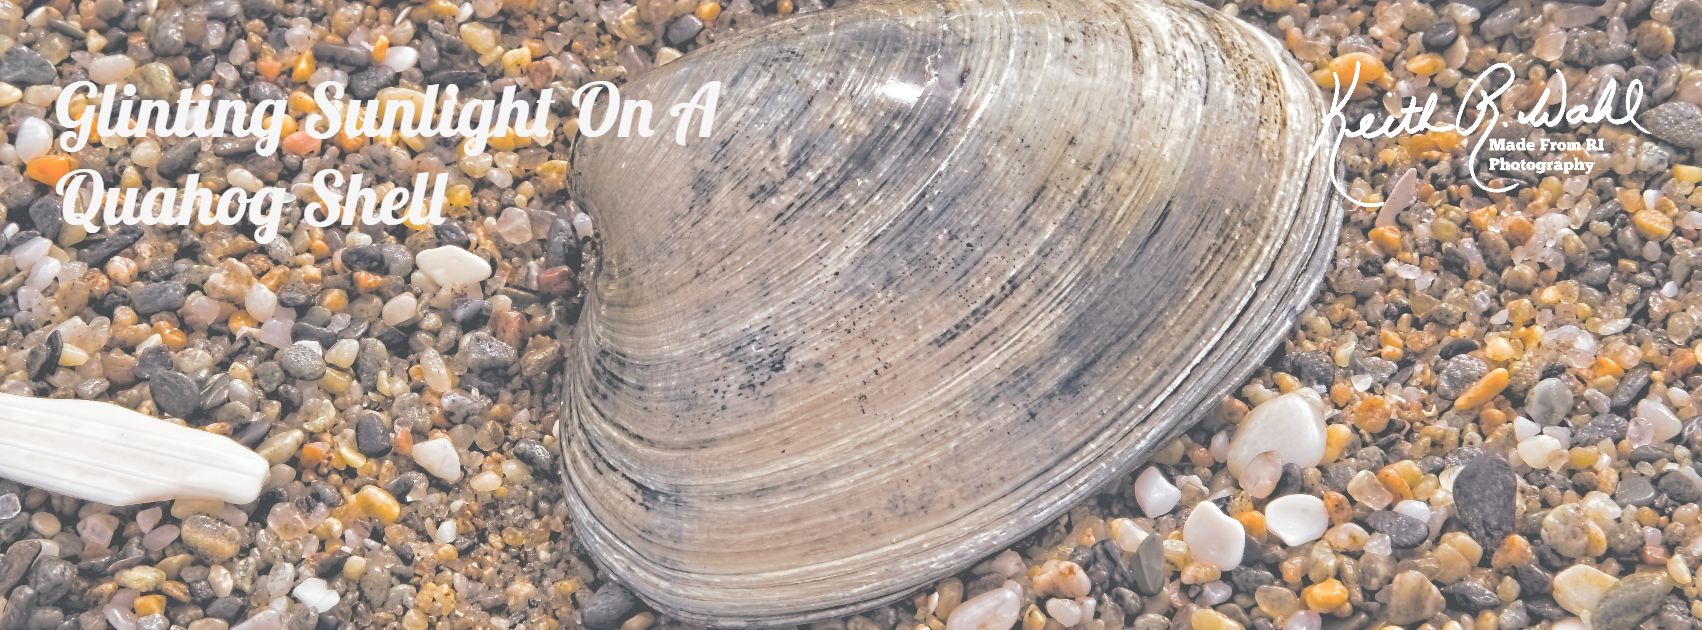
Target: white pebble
1155,494
1297,518
1416,509
109,69
450,266
1291,424
1127,535
260,301
400,58
446,532
1665,423
400,309
1214,537
343,353
997,609
1539,451
438,457
582,225
34,139
1065,611
1008,563
27,255
316,594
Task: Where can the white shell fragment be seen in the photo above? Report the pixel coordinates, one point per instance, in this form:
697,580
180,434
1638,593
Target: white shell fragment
941,271
450,266
104,453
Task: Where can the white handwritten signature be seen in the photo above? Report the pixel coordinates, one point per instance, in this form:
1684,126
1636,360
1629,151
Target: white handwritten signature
1485,115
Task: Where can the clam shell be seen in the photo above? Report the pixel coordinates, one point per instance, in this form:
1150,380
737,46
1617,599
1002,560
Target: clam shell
941,270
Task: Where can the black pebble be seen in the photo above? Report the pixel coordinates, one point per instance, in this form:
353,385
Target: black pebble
45,356
370,436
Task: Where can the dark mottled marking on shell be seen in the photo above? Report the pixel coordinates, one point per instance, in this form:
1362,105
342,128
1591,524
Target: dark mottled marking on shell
942,270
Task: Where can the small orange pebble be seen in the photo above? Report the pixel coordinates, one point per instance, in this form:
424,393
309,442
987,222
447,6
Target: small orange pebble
1517,229
1484,390
1372,413
1357,69
312,453
269,67
240,320
1426,64
1337,506
300,103
1490,419
1254,523
1325,596
348,143
708,11
377,503
1393,482
380,46
48,169
300,144
150,605
303,68
367,282
1604,366
1387,238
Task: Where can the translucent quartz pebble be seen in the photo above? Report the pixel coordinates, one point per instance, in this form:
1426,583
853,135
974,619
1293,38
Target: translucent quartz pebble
108,454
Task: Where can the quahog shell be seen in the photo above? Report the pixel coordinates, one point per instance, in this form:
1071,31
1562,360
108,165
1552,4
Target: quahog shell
941,270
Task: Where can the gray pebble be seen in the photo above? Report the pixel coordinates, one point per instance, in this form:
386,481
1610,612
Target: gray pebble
51,579
1681,487
1676,122
370,436
1405,532
1630,601
1149,570
158,297
174,393
1549,401
608,607
485,352
1634,490
16,563
1484,493
1457,374
23,67
304,361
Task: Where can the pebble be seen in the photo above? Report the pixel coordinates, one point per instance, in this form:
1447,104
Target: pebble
15,564
316,594
450,266
1412,598
1683,485
303,360
1484,494
33,140
485,352
439,458
1214,537
175,393
1570,531
1580,587
607,607
1675,122
1404,532
371,438
1549,401
24,67
1630,601
1149,570
1297,518
211,538
1634,491
1155,494
1292,425
158,297
997,609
